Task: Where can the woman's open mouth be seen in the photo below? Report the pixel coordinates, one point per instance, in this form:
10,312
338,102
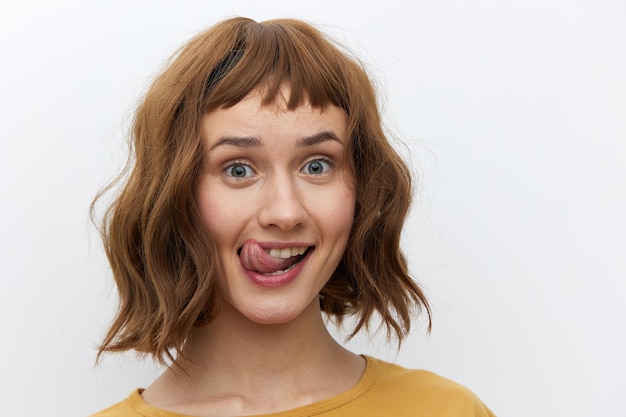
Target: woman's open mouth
271,262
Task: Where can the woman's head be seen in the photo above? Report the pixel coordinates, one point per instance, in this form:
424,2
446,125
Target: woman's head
161,253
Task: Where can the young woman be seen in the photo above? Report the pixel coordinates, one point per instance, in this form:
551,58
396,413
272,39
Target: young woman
264,197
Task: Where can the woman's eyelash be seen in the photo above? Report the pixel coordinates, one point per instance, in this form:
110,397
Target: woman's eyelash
318,166
315,166
239,170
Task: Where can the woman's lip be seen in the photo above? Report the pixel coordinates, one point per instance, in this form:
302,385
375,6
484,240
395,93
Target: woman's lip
277,245
280,245
273,281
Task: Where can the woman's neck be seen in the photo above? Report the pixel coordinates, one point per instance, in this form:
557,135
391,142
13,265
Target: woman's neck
234,341
251,368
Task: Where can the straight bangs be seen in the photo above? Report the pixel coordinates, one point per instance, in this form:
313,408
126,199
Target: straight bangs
268,55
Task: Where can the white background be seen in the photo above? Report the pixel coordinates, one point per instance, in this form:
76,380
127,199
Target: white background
514,116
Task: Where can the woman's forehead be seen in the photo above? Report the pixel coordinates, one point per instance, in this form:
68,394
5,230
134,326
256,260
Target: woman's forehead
252,117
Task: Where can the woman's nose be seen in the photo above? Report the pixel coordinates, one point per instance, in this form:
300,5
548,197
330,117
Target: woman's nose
282,204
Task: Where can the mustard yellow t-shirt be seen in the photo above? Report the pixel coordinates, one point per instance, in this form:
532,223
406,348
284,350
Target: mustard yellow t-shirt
385,389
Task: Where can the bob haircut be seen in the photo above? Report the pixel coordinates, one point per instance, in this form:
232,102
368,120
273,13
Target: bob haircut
161,254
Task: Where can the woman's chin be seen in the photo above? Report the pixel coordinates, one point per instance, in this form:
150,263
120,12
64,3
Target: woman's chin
274,315
275,312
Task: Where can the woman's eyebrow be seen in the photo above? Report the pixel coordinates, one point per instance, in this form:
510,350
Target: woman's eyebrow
250,141
242,142
319,138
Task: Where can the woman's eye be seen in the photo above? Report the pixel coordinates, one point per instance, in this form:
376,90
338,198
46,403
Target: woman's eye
239,170
316,167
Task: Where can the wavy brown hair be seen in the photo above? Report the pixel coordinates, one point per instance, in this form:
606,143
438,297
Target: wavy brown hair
161,255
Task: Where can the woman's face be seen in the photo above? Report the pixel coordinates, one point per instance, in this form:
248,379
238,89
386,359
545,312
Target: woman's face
278,199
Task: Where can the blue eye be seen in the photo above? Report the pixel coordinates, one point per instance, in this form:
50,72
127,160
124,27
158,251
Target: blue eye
239,170
316,167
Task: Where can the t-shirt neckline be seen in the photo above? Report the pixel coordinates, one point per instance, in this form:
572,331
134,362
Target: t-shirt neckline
362,386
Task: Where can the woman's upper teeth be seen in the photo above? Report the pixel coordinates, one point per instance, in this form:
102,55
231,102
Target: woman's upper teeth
285,253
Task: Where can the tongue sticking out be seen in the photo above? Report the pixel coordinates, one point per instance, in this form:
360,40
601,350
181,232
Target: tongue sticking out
254,258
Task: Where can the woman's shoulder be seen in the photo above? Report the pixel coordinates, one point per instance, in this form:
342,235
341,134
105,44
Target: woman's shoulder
124,408
392,374
424,390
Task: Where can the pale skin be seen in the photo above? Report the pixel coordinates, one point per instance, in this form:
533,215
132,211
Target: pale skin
276,177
